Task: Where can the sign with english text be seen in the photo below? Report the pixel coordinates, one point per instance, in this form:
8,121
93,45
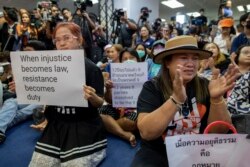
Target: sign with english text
49,77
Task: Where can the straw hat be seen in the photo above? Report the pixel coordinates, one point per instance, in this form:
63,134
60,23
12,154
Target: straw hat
181,44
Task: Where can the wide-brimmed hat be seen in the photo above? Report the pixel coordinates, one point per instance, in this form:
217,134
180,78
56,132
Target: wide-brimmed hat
181,44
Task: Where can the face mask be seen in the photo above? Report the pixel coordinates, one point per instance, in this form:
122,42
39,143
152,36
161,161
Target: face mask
141,53
130,61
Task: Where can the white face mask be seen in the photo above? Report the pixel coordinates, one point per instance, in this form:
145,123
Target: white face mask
130,61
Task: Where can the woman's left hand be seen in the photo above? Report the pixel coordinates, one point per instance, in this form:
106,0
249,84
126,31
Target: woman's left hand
219,85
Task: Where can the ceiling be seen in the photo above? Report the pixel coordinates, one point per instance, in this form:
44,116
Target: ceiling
210,6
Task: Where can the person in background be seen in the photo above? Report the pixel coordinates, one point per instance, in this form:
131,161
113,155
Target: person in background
142,52
128,28
103,63
224,40
243,38
25,31
153,68
8,39
178,101
242,58
11,112
120,121
67,15
225,9
145,38
218,61
113,56
76,137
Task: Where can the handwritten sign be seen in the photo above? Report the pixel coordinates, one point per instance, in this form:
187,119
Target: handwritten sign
217,150
128,79
49,77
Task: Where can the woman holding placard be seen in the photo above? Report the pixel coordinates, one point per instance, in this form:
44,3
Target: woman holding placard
120,121
74,136
178,101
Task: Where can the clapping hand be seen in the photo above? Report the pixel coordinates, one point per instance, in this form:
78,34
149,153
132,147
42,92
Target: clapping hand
219,85
179,91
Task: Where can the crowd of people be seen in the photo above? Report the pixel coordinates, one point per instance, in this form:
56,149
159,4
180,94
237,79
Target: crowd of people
195,77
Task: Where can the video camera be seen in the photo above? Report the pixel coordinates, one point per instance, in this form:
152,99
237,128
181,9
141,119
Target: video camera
157,25
83,4
32,20
118,13
145,13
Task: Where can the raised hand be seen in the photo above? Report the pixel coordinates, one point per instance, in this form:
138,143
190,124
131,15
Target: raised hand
179,91
219,85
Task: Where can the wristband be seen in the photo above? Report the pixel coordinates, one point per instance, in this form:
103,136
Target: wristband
178,104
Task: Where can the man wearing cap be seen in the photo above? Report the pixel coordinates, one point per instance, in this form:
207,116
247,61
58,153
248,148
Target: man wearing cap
224,39
178,101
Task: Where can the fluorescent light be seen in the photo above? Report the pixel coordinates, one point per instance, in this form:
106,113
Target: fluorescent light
240,8
163,20
195,14
95,1
172,3
248,7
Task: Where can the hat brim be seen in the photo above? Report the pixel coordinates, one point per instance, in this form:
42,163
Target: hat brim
203,54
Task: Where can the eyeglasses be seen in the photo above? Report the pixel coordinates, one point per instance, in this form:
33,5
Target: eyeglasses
245,52
65,38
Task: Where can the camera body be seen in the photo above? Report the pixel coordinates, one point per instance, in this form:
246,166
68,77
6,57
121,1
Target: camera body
32,20
145,13
118,13
157,24
83,4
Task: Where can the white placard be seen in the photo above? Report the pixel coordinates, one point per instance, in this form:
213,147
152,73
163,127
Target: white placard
49,77
128,79
218,150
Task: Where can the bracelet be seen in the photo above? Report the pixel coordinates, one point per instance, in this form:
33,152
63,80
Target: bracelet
178,104
219,102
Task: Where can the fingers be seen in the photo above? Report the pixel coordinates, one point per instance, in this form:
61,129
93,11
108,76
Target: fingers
88,89
179,91
232,74
88,92
232,58
109,84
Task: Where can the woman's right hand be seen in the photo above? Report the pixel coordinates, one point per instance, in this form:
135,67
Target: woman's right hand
12,86
179,90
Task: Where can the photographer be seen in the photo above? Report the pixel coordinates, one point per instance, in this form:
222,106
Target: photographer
37,22
8,30
125,27
53,19
82,19
143,17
